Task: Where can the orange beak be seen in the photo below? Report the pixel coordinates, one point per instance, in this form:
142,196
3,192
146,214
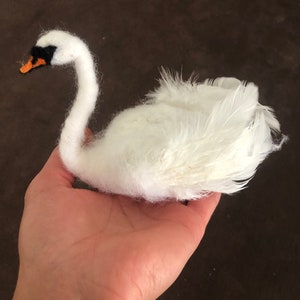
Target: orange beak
29,65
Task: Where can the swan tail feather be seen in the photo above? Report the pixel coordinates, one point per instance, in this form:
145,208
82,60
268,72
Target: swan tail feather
237,134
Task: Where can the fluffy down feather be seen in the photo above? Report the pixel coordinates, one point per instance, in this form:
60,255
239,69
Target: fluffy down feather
185,140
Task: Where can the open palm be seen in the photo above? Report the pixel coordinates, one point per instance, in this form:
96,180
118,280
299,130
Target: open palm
80,244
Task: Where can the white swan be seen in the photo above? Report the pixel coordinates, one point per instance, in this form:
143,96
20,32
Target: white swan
186,140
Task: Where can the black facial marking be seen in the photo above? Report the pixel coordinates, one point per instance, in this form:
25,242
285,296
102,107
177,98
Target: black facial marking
42,52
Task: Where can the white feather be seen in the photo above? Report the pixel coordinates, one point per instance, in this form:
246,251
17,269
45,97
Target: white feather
185,140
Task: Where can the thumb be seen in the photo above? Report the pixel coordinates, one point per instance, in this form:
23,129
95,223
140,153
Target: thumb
52,177
54,172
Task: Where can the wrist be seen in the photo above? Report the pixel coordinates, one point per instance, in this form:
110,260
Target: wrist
44,285
34,286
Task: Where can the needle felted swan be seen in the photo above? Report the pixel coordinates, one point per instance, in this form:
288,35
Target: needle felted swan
187,139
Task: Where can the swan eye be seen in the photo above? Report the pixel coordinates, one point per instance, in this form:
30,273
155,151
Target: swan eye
46,53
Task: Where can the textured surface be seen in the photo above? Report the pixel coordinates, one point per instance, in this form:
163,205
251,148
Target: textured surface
251,248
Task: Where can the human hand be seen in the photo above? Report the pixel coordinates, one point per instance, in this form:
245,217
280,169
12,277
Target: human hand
80,244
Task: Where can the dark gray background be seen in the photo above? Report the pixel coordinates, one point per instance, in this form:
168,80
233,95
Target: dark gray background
251,247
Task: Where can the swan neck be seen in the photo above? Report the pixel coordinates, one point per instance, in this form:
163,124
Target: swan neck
86,74
73,132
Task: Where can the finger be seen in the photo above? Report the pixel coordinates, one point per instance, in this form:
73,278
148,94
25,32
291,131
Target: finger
205,206
88,136
54,172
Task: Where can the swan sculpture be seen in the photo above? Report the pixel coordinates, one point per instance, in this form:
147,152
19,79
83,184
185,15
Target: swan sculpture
185,140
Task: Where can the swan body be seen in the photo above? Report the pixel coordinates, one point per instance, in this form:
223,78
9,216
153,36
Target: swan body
185,140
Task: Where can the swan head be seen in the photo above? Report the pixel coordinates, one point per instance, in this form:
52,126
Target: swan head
54,47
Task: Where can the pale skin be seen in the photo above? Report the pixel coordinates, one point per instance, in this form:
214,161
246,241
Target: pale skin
80,244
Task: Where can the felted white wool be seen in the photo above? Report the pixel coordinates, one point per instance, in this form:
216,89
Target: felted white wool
185,140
